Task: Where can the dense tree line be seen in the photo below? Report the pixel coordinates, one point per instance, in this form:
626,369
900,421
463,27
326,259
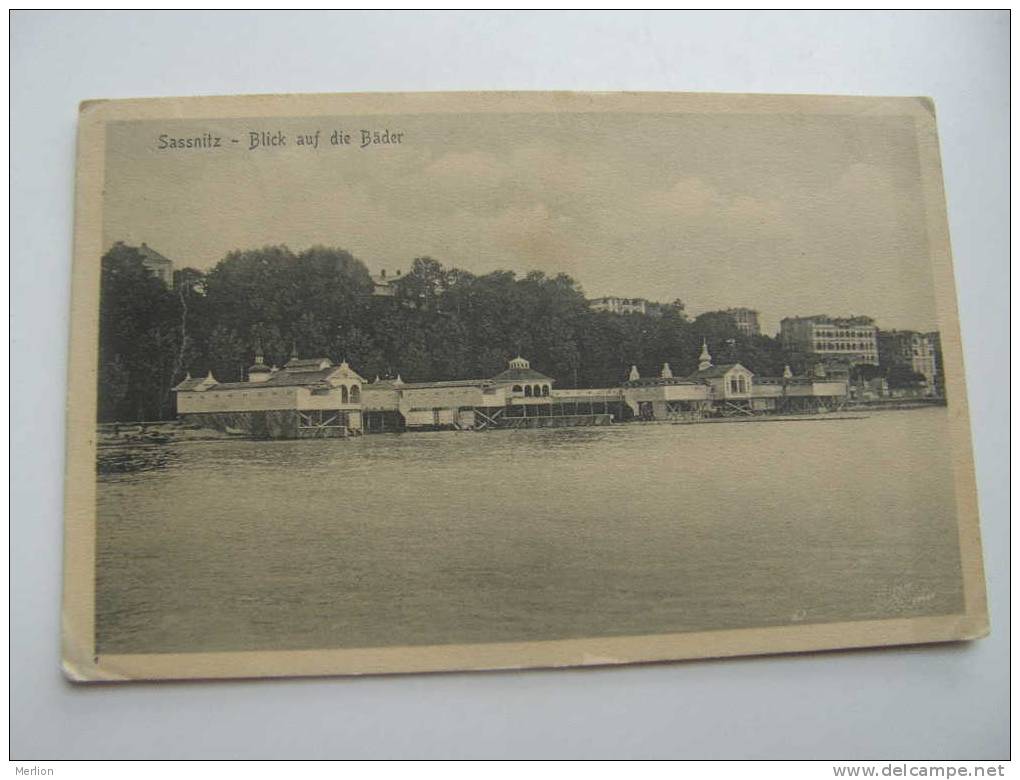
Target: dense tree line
441,323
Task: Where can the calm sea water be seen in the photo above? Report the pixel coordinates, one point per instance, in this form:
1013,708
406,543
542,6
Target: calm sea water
511,535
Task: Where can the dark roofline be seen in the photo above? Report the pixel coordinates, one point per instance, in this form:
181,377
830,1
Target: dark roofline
445,383
716,371
853,321
654,381
151,254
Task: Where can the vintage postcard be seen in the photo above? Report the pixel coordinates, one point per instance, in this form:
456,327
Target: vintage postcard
416,382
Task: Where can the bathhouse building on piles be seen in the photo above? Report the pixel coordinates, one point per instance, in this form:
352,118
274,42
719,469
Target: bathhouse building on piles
314,398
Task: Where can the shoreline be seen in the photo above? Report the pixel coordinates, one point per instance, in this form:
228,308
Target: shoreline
204,436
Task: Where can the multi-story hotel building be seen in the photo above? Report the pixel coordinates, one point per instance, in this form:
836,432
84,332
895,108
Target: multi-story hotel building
849,340
619,305
746,319
908,348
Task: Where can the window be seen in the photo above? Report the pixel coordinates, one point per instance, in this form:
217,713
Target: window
355,394
545,390
343,394
527,391
536,391
517,389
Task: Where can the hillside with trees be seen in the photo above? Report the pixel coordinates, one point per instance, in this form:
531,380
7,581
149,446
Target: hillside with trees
441,323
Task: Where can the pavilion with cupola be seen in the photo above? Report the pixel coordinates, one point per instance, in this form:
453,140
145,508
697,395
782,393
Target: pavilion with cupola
523,380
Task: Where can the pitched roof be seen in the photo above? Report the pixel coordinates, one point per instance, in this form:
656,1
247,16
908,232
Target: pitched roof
279,379
190,383
288,378
714,372
445,383
306,364
234,386
521,375
657,381
152,255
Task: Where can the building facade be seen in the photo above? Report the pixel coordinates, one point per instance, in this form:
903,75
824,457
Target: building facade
915,351
161,267
383,285
747,321
850,340
615,305
728,390
305,399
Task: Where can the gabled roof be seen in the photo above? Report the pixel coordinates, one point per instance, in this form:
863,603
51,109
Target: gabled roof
658,381
714,372
307,364
444,383
288,378
306,375
190,383
521,375
152,255
234,386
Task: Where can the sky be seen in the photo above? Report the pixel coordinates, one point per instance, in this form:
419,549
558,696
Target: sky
789,214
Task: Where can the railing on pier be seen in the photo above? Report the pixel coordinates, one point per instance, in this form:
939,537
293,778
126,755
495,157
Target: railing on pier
555,421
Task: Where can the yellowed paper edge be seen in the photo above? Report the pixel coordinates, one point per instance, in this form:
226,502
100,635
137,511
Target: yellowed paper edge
79,660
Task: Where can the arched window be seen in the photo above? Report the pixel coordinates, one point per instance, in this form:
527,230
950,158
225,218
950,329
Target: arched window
355,394
536,391
518,389
545,390
343,394
527,391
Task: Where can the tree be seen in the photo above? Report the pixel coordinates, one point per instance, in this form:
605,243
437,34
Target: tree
442,323
139,338
423,284
865,372
114,381
901,376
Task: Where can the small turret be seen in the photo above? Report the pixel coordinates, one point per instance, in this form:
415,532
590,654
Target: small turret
787,373
634,375
704,359
259,372
667,372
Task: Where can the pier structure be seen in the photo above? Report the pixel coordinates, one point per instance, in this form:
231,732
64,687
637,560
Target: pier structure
728,390
519,397
313,398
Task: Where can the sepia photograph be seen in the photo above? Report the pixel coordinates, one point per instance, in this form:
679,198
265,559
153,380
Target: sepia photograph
424,382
